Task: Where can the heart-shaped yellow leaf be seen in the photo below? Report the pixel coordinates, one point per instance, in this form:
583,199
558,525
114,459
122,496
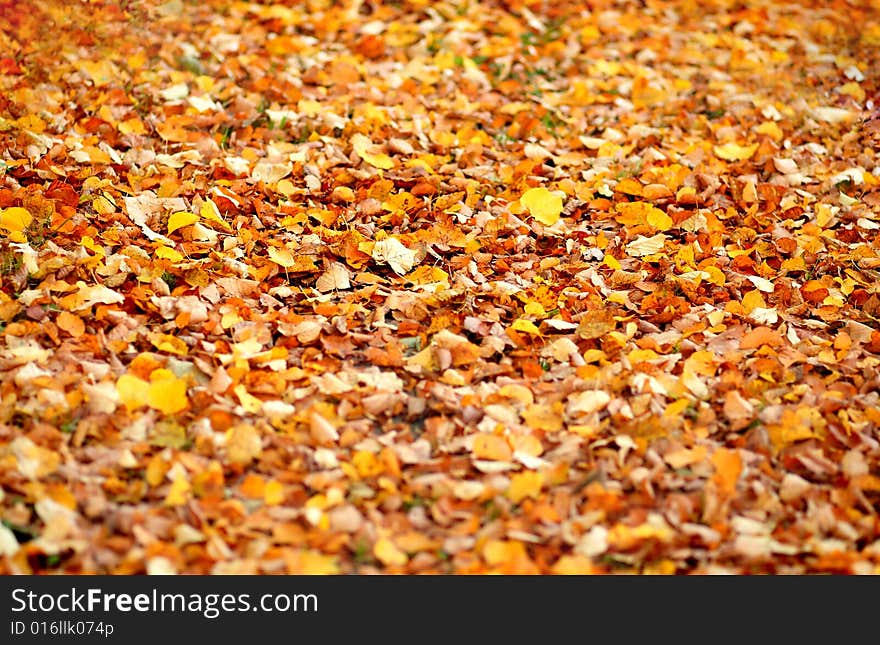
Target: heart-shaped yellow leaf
544,205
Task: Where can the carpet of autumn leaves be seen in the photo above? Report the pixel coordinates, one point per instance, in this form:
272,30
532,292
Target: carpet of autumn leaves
439,287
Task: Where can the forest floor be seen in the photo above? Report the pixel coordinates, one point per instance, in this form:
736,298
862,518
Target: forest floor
439,287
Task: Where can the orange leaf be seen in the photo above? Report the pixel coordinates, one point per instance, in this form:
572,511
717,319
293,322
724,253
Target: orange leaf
493,447
253,486
629,186
761,336
497,552
71,323
728,466
574,565
523,485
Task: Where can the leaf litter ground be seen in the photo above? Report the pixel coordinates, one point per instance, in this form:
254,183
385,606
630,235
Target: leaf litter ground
421,287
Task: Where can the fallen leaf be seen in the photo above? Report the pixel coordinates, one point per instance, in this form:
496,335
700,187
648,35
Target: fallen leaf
180,219
334,278
523,485
388,554
544,205
71,323
728,466
363,146
735,152
392,252
642,246
166,392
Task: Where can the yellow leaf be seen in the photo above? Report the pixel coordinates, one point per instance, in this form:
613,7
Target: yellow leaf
527,444
535,309
501,551
209,211
282,256
170,344
626,537
543,205
100,72
752,300
180,219
735,253
574,565
702,362
413,542
684,457
676,408
735,152
311,563
167,253
525,326
854,90
428,275
611,262
15,219
644,94
362,146
641,355
132,126
523,485
166,392
273,494
132,391
388,554
686,195
546,417
717,274
771,130
400,202
156,469
178,493
366,464
285,187
31,122
629,186
793,426
659,220
248,401
423,360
